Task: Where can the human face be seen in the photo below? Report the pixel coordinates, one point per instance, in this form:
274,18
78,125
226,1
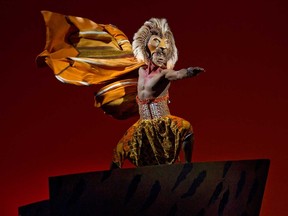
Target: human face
158,49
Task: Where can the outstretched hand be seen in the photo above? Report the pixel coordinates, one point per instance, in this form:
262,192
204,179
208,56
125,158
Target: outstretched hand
194,71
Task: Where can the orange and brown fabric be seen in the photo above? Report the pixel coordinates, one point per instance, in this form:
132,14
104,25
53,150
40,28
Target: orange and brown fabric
156,138
153,141
82,52
118,99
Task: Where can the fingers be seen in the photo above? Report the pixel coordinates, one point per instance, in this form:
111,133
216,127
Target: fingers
199,69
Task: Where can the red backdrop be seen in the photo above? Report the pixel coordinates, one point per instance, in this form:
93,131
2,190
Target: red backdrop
238,108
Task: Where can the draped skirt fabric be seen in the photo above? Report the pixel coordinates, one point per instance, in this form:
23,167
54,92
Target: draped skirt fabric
153,141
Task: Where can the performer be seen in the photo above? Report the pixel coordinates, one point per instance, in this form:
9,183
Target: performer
136,80
156,138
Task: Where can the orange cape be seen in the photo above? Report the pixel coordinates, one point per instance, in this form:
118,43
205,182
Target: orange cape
82,52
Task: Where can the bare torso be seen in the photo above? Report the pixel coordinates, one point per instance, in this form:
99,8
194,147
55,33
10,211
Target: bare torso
152,85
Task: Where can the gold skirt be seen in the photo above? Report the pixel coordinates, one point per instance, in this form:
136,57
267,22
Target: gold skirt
153,141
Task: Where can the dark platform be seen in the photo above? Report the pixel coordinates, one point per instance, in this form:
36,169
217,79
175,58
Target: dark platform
41,208
200,189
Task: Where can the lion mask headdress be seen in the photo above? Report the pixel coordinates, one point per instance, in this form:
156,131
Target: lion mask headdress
158,27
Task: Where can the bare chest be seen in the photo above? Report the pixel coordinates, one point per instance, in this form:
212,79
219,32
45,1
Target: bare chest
151,85
148,81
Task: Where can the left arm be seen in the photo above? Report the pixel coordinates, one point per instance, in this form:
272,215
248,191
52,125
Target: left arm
181,74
